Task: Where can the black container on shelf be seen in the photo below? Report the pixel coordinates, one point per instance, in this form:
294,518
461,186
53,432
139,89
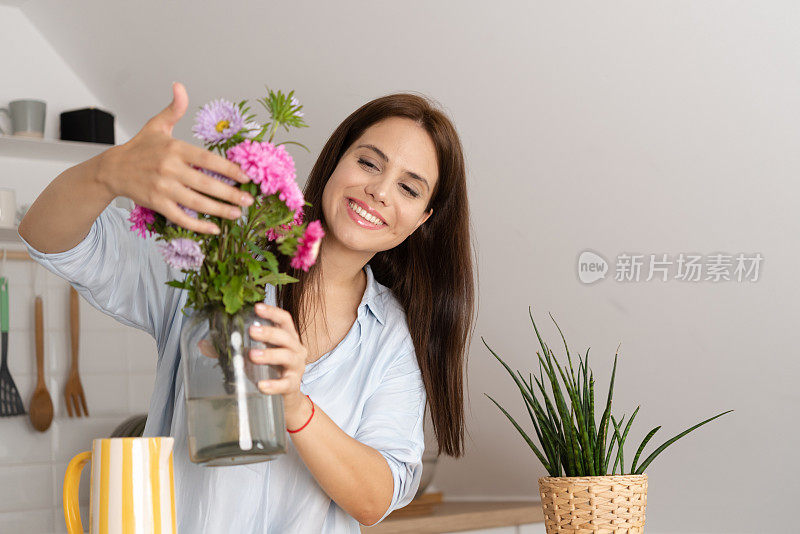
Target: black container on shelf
90,125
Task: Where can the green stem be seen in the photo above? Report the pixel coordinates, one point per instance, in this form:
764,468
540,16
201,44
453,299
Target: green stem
272,130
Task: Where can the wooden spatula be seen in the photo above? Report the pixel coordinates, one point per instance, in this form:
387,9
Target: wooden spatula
73,391
41,408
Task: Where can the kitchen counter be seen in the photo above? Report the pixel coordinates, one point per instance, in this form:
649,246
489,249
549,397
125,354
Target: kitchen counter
463,516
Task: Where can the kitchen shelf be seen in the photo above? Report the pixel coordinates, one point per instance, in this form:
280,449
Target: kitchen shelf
49,149
463,516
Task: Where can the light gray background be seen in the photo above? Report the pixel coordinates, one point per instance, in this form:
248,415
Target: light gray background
638,127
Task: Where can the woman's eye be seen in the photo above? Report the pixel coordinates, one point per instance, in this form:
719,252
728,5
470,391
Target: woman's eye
411,191
365,162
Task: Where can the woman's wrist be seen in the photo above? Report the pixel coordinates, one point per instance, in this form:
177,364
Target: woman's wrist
297,410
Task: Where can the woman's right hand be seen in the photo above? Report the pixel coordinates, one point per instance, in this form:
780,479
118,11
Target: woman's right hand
154,170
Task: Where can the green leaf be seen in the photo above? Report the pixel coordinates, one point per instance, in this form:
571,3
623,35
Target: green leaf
620,443
669,442
524,435
276,279
586,453
603,429
233,295
293,143
545,434
527,394
641,448
269,257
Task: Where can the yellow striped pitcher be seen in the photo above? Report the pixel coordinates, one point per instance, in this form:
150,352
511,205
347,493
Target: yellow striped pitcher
132,489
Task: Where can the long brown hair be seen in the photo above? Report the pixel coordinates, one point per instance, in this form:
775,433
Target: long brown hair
430,272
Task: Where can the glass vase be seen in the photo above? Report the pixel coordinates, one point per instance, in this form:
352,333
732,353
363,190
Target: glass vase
230,422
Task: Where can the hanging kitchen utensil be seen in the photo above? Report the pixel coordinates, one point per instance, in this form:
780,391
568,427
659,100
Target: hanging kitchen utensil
10,401
41,407
73,391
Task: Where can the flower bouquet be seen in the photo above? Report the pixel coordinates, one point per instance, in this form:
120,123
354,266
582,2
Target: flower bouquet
227,273
579,493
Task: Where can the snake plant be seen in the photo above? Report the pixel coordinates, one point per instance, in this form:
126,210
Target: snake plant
571,444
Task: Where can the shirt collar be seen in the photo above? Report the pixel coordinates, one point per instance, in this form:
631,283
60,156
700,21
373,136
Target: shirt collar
373,298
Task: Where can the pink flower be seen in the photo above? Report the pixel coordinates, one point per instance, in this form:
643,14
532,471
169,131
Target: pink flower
291,195
272,235
270,166
139,218
250,157
308,248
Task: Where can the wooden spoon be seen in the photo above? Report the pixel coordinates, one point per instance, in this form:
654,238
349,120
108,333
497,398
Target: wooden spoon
41,407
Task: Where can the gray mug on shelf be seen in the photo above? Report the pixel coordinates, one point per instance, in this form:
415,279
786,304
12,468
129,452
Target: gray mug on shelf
27,118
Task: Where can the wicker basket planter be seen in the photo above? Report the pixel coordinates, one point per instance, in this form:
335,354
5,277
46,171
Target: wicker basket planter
613,504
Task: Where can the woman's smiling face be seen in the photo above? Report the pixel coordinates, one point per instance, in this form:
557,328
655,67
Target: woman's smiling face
391,172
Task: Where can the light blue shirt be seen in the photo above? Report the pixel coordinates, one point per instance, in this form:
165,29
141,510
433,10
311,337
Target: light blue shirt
370,385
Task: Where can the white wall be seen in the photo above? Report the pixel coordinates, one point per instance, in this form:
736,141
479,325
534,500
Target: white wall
639,127
117,363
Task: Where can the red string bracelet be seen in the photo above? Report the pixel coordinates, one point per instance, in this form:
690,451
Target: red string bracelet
309,419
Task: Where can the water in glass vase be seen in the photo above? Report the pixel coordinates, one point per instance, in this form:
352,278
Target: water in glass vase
224,432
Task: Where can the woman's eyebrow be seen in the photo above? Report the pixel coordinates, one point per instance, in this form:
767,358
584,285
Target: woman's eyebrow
385,158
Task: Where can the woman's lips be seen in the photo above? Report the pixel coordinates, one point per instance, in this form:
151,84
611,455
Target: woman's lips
358,219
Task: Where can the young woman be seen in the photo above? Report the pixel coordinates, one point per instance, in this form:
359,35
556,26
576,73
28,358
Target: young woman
376,328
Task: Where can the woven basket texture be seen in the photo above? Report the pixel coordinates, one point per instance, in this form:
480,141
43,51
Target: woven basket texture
613,504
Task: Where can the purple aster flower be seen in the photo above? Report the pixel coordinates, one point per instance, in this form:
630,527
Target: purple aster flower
253,128
219,120
218,176
182,253
189,211
296,102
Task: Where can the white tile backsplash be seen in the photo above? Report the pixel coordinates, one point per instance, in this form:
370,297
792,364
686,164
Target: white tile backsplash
29,521
22,444
21,359
76,434
26,487
141,351
60,526
139,392
117,370
103,352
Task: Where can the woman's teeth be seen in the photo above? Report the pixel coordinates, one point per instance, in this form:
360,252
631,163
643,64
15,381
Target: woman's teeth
361,211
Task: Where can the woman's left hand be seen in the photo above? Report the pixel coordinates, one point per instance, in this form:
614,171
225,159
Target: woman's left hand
288,353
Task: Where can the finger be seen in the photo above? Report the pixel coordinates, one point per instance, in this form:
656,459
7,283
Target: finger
273,334
277,315
277,386
213,162
280,356
202,204
200,181
172,212
168,117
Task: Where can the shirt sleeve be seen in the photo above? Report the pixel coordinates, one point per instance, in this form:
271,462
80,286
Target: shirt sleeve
392,423
118,272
